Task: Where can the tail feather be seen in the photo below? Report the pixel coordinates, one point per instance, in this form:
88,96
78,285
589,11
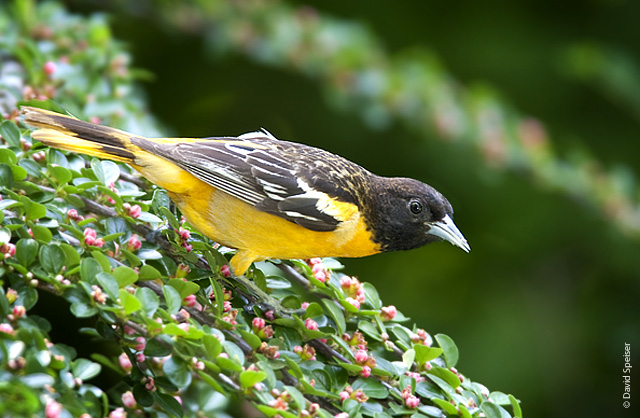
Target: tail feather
71,134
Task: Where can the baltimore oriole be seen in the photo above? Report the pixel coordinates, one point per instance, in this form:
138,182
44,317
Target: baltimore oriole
268,198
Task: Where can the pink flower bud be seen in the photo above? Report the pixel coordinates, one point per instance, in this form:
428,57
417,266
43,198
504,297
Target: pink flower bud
99,243
258,323
52,409
125,362
361,356
190,300
387,313
128,400
134,243
49,67
7,328
366,371
412,402
225,270
135,211
185,234
141,343
310,324
19,311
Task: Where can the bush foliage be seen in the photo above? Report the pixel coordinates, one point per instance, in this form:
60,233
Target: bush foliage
169,332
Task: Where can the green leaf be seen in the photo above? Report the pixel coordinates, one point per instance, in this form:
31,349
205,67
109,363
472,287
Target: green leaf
445,406
8,157
41,233
33,168
297,396
248,378
160,200
61,174
83,310
177,370
125,276
184,288
34,210
26,251
517,411
109,284
52,258
89,269
446,376
491,410
212,345
6,176
85,369
372,296
449,349
10,132
148,272
170,218
173,299
371,387
336,314
369,329
150,301
102,259
72,256
19,173
106,171
142,396
129,302
425,354
169,404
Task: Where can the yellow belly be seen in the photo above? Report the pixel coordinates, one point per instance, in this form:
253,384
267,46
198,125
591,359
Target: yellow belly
258,235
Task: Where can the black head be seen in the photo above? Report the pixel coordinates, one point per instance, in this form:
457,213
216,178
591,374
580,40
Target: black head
410,214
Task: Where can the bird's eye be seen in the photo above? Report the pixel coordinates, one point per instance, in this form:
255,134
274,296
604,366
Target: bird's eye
415,207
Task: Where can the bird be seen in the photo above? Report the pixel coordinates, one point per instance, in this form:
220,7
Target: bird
268,198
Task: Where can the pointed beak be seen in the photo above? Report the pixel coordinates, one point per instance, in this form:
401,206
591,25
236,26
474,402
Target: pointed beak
448,231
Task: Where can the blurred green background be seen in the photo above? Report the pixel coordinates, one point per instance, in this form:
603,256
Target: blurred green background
549,294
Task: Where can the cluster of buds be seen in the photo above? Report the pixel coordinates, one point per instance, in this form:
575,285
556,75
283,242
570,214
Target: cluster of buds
269,351
112,187
366,360
353,289
388,313
182,271
306,353
421,337
90,238
357,395
230,316
39,156
8,250
281,400
134,211
226,296
98,295
410,400
416,376
356,340
320,272
134,243
455,371
261,329
73,215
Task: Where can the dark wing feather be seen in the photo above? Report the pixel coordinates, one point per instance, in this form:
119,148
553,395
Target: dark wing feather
282,178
